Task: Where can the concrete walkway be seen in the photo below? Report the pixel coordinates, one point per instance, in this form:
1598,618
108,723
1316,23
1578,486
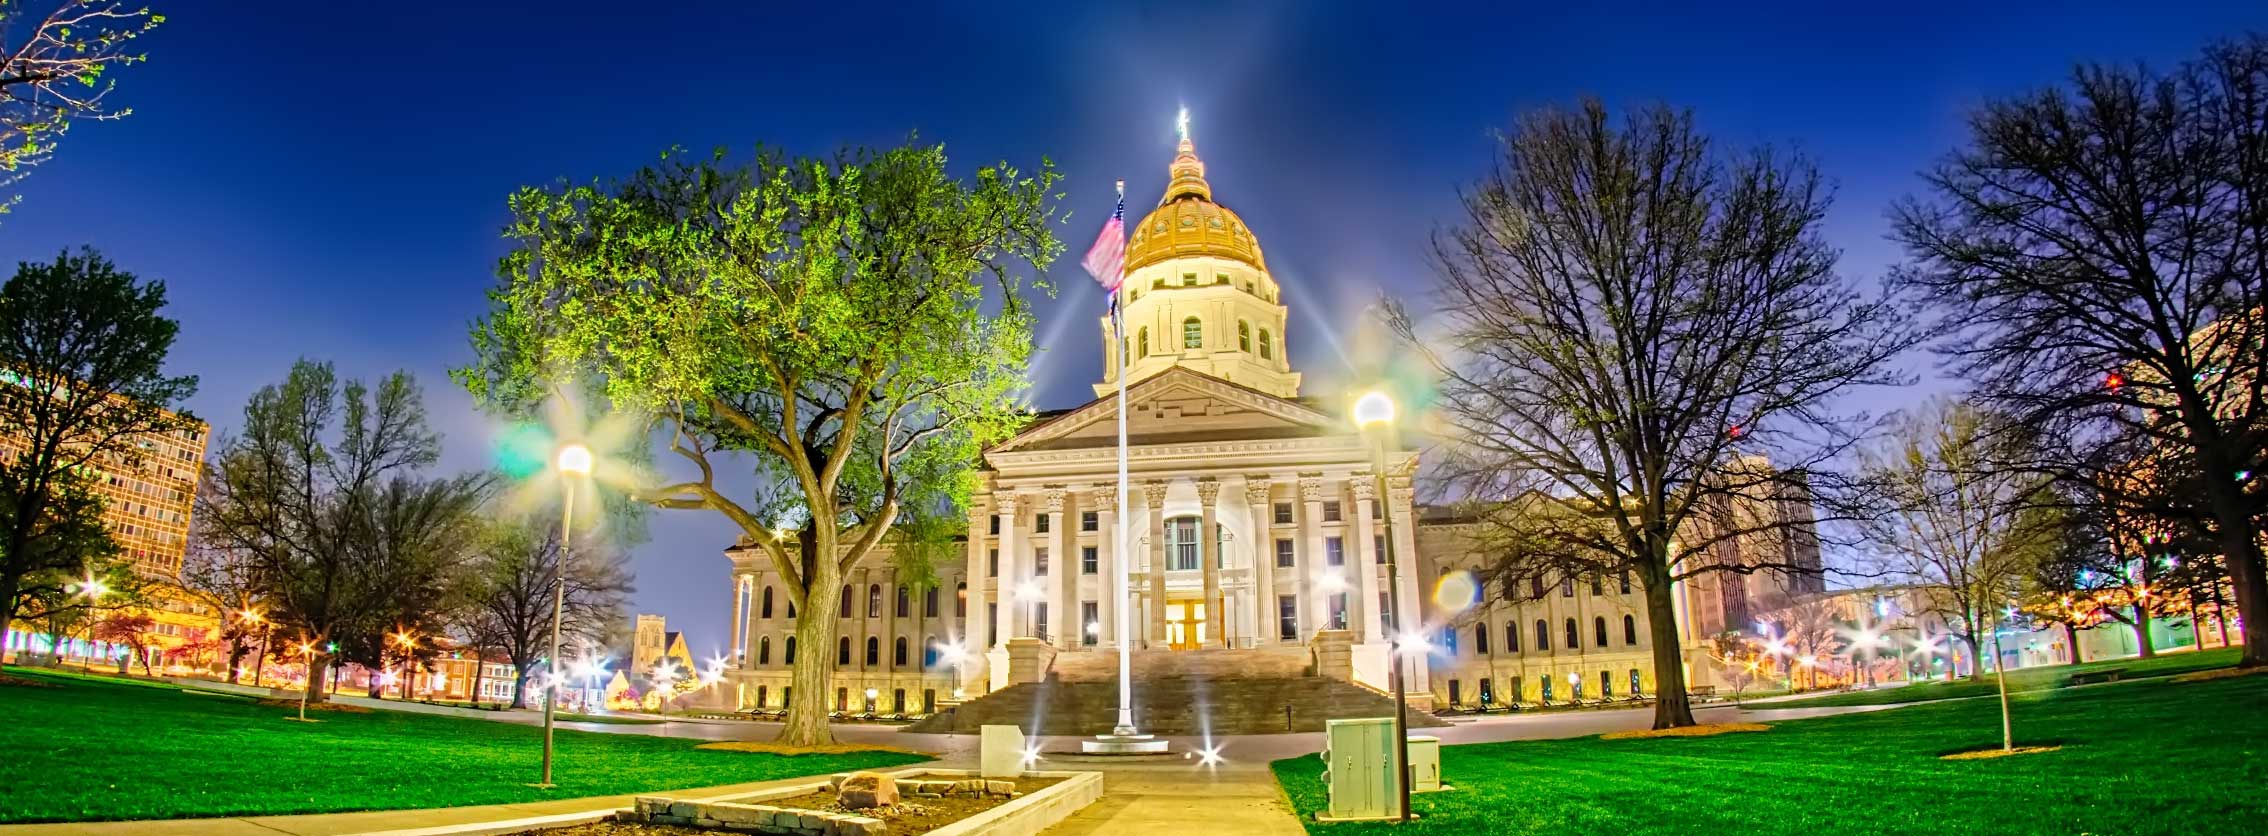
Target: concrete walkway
1139,796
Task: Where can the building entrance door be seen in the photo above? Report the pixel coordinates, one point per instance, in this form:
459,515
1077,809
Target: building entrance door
1185,624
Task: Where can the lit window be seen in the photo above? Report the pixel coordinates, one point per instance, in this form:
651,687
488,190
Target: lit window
1266,353
1188,280
1243,336
1192,333
1142,342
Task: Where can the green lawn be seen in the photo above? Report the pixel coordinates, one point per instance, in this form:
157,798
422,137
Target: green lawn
2027,679
95,748
2138,758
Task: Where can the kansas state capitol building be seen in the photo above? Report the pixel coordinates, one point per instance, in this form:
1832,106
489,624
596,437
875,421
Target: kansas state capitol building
1254,527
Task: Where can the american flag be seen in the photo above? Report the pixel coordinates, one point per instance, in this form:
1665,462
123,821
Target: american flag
1106,260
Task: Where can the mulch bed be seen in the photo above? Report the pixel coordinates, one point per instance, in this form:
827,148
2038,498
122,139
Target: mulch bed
1703,730
341,708
908,816
20,682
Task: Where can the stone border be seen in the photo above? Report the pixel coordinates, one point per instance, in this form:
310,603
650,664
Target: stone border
1021,816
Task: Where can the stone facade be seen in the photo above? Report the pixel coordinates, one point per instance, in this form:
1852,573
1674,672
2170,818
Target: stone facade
1253,518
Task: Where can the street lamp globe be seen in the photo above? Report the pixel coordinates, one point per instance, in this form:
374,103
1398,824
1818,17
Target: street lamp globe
574,459
1373,409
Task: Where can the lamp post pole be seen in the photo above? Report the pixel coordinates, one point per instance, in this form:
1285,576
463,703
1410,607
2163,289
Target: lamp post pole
574,462
1373,414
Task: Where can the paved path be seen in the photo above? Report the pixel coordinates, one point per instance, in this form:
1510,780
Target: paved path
1144,796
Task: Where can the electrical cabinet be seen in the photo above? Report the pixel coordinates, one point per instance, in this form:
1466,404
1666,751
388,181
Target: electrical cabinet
1359,769
1425,764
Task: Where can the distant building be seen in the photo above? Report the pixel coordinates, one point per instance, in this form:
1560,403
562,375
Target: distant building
147,508
648,642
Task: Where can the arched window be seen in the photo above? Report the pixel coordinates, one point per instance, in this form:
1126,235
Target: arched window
767,602
1511,637
873,651
1535,587
1243,336
929,602
905,603
1181,543
1543,636
842,651
929,651
1574,638
761,692
1629,630
961,600
898,652
1192,333
789,655
1598,629
1596,589
843,607
764,650
1142,343
1480,639
1266,353
873,600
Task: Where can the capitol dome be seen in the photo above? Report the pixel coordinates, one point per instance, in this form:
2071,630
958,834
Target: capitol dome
1188,223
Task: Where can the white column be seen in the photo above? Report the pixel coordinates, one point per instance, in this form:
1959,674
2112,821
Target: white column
1364,561
1260,620
976,635
1406,554
1104,499
1208,559
1154,494
1310,557
1012,572
1062,586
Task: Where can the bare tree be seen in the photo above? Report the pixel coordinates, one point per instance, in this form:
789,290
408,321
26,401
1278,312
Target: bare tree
59,72
510,589
1632,321
2101,252
321,491
1966,527
227,580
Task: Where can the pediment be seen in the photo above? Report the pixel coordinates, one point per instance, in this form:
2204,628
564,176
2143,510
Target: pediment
1178,406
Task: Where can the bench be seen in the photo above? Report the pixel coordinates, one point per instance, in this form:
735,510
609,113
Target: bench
2104,675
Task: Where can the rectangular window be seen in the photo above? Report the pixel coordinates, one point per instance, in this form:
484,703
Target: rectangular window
1188,280
1596,587
996,525
1566,587
929,603
1283,513
1331,511
1625,581
1039,562
993,558
1089,520
1287,618
1480,640
1378,545
1089,557
1338,613
1040,523
1285,559
992,621
1039,620
1334,552
1385,612
1090,623
1181,544
1220,278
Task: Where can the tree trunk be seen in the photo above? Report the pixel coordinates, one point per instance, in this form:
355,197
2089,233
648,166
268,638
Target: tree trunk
1672,709
1976,657
520,683
806,721
317,669
235,656
478,667
2071,640
2142,630
8,611
2241,554
2221,613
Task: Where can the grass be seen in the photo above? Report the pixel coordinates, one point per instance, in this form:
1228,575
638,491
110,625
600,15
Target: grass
2136,758
2026,679
97,748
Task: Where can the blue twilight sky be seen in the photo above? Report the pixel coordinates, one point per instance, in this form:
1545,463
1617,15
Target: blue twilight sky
327,179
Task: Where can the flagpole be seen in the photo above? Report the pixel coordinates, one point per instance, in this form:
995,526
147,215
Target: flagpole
1125,725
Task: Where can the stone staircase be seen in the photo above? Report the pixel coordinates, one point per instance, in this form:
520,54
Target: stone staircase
1200,692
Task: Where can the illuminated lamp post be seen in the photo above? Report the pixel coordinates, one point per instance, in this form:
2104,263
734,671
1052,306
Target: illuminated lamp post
1374,416
574,464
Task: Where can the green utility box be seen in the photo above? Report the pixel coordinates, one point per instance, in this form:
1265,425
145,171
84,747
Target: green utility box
1359,770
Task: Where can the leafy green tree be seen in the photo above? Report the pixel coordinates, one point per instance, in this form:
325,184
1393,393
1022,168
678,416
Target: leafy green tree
1632,322
56,58
852,323
322,490
82,386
